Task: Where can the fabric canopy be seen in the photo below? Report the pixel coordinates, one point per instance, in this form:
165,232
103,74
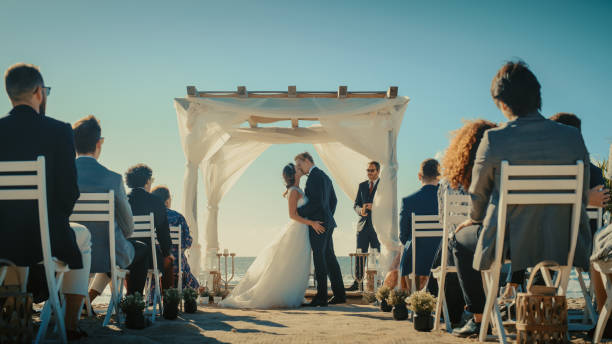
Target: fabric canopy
351,132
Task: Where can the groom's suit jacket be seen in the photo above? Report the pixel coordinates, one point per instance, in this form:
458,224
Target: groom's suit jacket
322,200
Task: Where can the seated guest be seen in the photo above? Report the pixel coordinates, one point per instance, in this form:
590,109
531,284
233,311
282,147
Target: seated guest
422,202
140,178
92,178
527,138
366,235
457,175
25,133
599,196
176,219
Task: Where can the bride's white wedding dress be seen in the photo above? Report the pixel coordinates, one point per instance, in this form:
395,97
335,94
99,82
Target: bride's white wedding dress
279,275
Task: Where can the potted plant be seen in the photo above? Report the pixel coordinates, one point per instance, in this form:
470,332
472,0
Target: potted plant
132,306
381,295
397,299
189,296
422,304
204,298
171,303
217,296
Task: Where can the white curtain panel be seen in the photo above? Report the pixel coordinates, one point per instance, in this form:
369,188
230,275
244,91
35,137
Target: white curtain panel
352,132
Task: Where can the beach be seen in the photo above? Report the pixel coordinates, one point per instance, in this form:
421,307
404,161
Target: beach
351,323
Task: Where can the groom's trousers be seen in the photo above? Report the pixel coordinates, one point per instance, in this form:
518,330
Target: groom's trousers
326,264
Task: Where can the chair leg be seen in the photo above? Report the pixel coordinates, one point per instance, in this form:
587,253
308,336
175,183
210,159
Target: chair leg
490,282
440,301
449,328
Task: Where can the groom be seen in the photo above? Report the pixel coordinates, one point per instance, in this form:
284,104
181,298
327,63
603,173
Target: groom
321,207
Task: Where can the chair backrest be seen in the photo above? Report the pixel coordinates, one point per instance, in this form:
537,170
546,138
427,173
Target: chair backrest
456,210
424,226
26,180
98,207
175,238
596,214
538,185
144,227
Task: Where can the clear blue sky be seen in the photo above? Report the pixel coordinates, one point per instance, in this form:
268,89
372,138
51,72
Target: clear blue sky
126,61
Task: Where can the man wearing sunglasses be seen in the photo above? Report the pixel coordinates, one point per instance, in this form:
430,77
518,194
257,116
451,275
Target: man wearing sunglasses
25,134
366,235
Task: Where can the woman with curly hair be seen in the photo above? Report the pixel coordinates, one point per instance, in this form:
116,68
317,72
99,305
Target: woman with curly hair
457,166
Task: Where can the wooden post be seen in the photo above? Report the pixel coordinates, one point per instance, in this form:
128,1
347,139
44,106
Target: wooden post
294,123
342,91
291,92
242,92
191,91
392,92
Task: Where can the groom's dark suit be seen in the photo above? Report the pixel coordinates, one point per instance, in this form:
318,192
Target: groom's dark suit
321,207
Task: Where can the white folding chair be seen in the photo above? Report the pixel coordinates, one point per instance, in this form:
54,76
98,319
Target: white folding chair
456,211
589,316
175,237
531,185
605,269
100,207
423,226
144,227
27,181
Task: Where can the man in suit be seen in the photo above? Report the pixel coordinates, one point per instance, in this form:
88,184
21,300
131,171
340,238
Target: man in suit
366,235
25,134
422,202
321,206
534,232
140,179
94,178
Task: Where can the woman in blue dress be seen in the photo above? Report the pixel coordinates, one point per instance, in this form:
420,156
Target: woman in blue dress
176,219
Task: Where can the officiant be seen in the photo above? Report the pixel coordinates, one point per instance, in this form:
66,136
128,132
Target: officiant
366,235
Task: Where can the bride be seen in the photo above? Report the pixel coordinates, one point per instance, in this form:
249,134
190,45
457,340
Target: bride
279,275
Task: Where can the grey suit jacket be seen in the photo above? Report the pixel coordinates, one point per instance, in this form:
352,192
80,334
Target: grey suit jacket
533,232
93,177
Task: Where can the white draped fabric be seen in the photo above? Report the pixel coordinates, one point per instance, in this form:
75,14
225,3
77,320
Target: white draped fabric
352,131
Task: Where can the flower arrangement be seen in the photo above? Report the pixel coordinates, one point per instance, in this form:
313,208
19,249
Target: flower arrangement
172,297
190,297
132,303
369,297
381,295
421,302
397,297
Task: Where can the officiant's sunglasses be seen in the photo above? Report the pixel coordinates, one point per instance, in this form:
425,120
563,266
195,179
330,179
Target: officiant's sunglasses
46,90
371,170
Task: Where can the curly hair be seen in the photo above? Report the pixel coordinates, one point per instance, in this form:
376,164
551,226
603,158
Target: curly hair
459,157
137,176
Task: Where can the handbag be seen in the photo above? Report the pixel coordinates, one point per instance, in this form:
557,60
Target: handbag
541,315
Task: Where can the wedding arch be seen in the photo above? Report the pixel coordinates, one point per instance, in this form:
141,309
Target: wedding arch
220,134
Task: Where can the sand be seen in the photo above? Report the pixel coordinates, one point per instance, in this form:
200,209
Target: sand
351,323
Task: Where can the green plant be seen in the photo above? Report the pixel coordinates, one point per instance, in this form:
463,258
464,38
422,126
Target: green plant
369,297
383,293
397,297
172,295
132,303
421,302
189,294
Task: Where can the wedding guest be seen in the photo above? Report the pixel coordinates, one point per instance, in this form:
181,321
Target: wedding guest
457,167
93,177
176,219
526,138
26,133
139,178
366,235
422,202
599,195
